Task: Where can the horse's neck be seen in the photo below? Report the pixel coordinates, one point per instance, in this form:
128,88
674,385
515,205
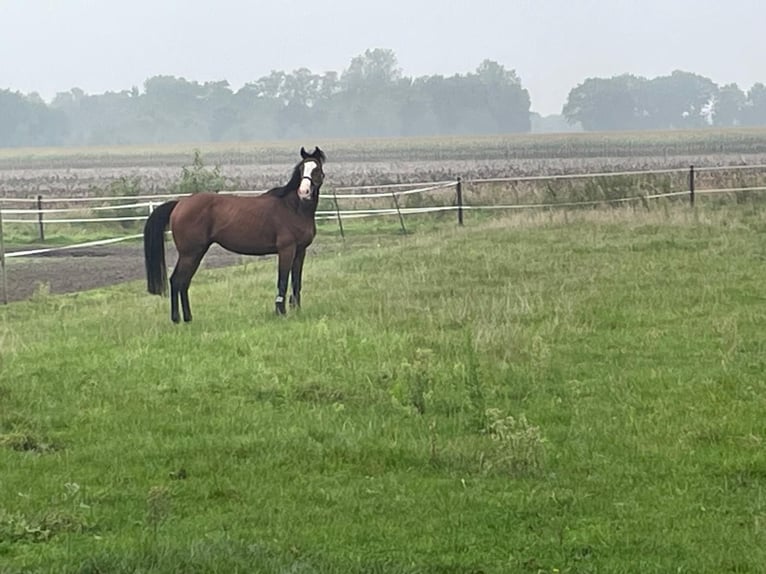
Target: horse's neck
308,208
304,208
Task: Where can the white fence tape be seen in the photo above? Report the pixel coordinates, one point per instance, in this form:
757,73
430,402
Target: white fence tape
392,186
728,167
77,209
574,176
729,190
669,194
74,246
79,220
438,186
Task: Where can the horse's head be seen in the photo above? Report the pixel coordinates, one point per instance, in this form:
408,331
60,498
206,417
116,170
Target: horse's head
311,174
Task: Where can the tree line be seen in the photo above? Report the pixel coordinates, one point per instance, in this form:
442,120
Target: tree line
681,100
369,98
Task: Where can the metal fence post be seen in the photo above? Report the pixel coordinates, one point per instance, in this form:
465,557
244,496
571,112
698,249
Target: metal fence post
691,185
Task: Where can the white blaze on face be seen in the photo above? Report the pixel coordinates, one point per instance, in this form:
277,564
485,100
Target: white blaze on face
304,190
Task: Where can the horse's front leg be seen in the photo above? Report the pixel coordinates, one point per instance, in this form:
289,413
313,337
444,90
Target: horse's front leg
297,277
284,265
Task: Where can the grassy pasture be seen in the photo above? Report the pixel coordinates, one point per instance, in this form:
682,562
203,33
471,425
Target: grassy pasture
568,392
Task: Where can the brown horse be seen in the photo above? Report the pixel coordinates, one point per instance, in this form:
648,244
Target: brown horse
280,221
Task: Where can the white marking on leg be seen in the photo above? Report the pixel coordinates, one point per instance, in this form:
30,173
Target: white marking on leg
280,299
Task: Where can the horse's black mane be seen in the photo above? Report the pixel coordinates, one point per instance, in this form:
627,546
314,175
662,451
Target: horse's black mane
294,182
295,179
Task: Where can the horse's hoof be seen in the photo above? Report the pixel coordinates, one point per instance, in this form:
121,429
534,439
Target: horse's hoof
280,309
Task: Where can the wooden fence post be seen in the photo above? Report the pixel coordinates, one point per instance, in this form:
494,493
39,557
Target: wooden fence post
3,283
40,217
459,193
691,185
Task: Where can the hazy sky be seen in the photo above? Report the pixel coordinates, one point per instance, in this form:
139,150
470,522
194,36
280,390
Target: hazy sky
47,46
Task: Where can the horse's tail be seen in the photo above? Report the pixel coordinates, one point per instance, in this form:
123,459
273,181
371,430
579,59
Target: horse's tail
154,248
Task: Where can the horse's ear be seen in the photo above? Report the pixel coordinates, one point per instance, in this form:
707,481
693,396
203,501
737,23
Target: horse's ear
304,155
319,154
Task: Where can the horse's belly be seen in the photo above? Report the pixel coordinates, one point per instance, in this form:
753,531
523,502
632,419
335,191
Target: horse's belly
261,241
253,241
244,248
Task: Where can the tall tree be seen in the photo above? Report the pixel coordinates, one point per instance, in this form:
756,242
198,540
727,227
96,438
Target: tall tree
680,100
370,98
27,121
374,70
606,103
754,111
728,106
507,101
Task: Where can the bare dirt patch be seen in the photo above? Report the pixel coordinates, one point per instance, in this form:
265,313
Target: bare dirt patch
82,269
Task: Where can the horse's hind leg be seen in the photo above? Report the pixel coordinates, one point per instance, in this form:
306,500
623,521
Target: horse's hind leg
174,296
297,277
180,280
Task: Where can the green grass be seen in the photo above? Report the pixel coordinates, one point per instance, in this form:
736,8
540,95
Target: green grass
577,392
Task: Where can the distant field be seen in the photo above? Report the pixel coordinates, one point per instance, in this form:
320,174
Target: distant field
372,161
557,392
521,146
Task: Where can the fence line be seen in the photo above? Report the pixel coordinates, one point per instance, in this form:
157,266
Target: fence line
434,187
445,184
322,215
383,211
338,214
599,174
39,212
